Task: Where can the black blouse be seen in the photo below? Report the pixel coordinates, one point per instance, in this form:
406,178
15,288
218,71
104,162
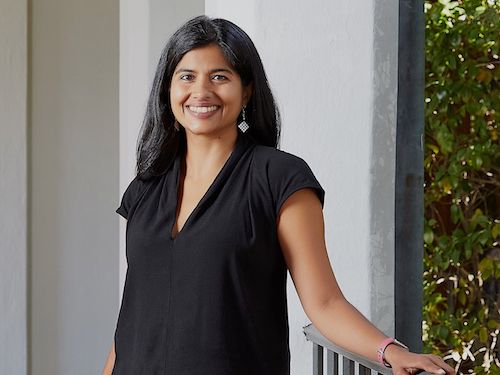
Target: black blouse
212,300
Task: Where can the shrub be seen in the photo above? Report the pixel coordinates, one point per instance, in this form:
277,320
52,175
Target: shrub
462,186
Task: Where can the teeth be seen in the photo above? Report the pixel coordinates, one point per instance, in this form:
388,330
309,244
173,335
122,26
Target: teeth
202,109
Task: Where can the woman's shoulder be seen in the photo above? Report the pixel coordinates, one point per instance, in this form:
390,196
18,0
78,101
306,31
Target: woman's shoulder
274,155
276,159
140,183
134,191
284,173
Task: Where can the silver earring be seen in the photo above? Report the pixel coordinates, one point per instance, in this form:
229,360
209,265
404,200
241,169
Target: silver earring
243,124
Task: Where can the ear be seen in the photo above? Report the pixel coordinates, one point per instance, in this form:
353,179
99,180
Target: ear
247,93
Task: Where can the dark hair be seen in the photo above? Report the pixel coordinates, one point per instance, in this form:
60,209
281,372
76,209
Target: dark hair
159,143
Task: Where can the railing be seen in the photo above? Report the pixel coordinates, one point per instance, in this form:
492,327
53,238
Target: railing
339,360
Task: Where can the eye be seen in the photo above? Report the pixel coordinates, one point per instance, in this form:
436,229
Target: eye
219,77
186,77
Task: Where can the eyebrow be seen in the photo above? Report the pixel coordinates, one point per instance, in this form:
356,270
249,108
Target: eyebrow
217,70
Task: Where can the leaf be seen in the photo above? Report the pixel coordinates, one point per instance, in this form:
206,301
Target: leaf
468,249
446,185
486,268
434,148
484,76
484,237
495,230
455,213
483,335
478,162
478,219
443,332
480,10
493,324
428,236
455,255
462,297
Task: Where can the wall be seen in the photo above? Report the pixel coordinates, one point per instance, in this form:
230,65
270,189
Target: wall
333,68
13,186
74,184
145,27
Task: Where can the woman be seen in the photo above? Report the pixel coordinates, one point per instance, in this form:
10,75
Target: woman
216,216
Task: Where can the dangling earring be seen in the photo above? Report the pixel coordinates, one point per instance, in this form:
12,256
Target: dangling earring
243,126
176,126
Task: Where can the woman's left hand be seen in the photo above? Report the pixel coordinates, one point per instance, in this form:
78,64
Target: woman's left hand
404,362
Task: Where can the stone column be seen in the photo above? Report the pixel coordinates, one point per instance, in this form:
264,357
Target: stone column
13,186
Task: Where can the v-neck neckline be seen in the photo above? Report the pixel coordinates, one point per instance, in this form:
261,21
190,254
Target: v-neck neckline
177,170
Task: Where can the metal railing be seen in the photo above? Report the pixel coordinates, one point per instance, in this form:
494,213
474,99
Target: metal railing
339,360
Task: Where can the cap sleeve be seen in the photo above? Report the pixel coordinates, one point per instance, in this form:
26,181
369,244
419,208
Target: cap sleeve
130,197
289,173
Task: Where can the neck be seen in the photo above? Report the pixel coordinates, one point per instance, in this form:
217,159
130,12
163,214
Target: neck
206,155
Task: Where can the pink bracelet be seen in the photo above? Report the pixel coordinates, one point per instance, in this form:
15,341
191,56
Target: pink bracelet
381,350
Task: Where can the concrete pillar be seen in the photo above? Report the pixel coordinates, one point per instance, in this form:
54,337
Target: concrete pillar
383,164
145,27
74,183
13,186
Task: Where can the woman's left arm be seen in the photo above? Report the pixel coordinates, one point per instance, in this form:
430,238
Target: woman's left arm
301,234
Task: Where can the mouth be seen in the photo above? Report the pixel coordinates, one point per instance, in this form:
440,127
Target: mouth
204,109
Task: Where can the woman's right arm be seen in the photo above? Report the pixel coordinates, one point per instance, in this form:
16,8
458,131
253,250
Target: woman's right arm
110,362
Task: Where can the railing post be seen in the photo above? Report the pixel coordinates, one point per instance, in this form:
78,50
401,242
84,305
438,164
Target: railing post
347,366
332,363
364,370
317,359
350,361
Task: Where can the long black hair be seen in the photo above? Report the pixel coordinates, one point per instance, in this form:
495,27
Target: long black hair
159,142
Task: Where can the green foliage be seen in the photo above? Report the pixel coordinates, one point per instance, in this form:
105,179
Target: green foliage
462,185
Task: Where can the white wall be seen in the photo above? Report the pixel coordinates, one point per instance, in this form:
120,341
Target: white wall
333,68
74,184
145,27
13,187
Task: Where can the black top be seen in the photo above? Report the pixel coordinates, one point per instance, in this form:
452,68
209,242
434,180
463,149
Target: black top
212,300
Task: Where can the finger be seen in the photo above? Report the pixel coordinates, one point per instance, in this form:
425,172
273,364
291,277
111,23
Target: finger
406,370
402,371
438,361
429,365
414,371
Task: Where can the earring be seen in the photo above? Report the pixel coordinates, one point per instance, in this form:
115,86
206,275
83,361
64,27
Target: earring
243,126
176,126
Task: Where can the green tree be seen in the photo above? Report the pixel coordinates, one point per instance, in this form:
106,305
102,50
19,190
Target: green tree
462,185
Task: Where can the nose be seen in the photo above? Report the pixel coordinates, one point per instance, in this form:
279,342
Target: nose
202,88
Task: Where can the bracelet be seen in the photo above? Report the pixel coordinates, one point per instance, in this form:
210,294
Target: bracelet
381,350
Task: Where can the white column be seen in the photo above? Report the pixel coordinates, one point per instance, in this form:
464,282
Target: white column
333,69
383,163
13,186
145,27
134,83
74,180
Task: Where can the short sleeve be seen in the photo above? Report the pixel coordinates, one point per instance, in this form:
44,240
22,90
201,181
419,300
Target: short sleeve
289,173
130,197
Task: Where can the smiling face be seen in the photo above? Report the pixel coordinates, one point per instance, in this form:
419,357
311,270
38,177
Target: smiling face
206,93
